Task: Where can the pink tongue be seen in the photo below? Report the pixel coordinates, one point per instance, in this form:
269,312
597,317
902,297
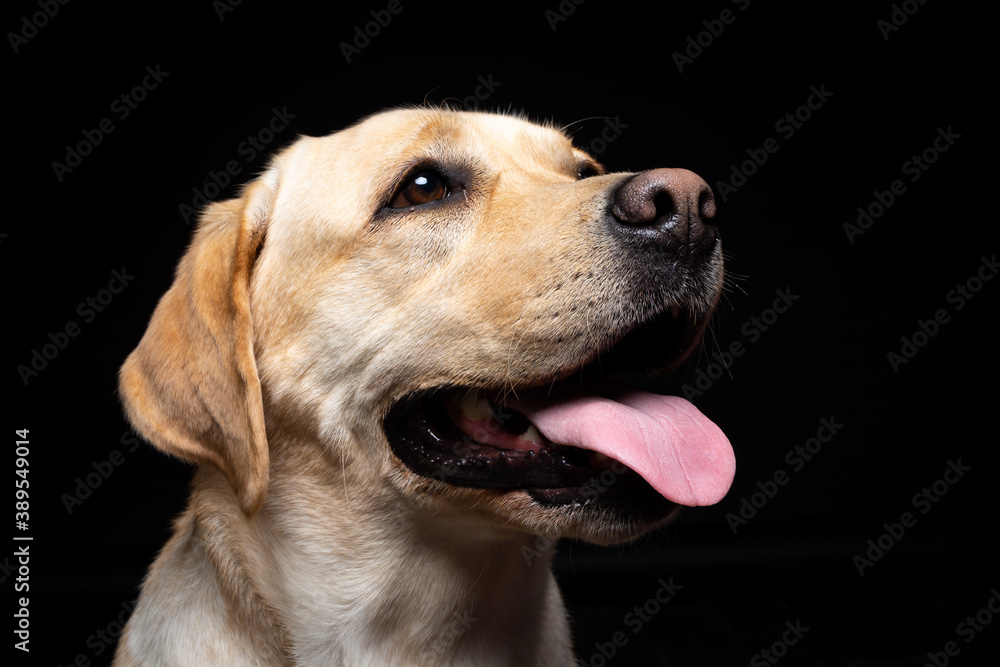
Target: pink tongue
665,439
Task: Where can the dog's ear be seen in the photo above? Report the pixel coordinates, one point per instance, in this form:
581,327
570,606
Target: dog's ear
191,386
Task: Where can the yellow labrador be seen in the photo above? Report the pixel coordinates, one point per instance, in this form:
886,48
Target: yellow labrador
390,359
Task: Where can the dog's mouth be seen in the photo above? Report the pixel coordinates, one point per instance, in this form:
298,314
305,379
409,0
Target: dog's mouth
582,437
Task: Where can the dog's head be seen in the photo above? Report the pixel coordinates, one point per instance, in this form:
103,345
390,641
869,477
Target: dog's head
433,301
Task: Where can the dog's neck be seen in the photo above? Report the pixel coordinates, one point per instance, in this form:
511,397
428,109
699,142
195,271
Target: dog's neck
395,584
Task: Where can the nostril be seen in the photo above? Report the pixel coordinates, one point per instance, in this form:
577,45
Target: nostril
665,207
706,204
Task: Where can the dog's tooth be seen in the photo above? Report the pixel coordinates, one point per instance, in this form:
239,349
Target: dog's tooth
531,434
474,406
600,457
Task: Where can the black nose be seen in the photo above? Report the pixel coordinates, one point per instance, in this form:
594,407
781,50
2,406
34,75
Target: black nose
666,207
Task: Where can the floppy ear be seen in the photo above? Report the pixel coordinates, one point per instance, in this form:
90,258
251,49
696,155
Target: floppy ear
191,386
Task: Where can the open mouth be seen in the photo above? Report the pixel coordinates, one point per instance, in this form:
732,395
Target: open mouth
580,438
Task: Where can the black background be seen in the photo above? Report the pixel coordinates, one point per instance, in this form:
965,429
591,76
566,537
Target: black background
825,358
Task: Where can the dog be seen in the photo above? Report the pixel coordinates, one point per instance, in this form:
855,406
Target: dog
396,360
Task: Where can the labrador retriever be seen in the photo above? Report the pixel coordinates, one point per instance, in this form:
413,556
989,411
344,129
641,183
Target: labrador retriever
393,360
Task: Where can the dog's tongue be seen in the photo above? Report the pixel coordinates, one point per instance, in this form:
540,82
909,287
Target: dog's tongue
665,439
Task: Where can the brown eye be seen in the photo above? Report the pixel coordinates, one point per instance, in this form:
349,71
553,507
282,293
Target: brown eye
421,188
588,169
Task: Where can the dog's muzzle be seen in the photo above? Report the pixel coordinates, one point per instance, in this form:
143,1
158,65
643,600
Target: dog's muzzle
554,437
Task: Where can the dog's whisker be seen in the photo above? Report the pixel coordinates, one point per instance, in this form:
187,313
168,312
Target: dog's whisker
428,94
582,120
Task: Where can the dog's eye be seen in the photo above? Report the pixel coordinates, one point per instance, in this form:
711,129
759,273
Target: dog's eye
586,170
420,188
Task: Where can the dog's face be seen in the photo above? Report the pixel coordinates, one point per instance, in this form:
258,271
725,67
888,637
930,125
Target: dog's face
426,293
